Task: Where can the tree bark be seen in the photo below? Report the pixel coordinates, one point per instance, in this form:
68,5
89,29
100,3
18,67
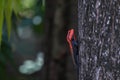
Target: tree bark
49,26
56,54
98,38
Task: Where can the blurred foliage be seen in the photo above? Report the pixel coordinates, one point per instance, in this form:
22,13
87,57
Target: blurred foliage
5,57
6,7
1,17
26,4
22,9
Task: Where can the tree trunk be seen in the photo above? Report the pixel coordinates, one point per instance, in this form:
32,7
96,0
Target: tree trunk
49,26
98,38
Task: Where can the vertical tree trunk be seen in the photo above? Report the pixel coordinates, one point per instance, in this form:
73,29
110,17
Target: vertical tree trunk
56,54
99,36
49,23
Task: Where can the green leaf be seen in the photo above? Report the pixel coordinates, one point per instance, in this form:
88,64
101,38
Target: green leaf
8,14
16,6
1,18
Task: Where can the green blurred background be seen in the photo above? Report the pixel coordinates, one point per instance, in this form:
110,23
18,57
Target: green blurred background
33,39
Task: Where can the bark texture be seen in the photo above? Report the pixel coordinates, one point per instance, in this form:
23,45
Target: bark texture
99,36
